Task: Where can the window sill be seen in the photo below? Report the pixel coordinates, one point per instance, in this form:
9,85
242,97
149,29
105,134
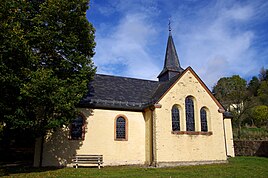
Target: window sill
120,139
191,133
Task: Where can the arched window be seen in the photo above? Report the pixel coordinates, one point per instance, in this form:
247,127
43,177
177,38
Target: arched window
189,107
175,118
77,129
121,128
203,115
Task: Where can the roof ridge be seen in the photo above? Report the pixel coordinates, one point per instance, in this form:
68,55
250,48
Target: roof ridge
132,78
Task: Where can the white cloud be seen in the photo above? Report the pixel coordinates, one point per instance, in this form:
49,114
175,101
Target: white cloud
238,12
127,46
216,38
214,45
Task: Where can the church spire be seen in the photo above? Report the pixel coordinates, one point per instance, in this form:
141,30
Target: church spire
172,65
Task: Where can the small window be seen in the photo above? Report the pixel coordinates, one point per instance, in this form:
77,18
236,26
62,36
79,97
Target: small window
189,107
121,128
77,128
175,118
203,115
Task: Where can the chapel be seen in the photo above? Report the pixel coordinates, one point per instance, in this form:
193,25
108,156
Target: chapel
175,120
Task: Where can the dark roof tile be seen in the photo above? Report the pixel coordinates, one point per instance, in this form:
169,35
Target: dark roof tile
164,86
115,92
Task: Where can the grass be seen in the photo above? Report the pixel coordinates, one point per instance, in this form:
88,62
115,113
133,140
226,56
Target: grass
237,167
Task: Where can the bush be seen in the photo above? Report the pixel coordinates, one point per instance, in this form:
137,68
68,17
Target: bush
251,133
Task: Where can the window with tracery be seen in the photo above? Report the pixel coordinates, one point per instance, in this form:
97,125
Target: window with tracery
121,125
175,118
203,116
189,107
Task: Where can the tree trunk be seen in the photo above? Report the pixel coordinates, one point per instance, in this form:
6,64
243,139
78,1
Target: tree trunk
239,129
41,116
41,151
252,123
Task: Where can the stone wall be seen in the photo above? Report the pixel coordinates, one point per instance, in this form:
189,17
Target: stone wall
251,148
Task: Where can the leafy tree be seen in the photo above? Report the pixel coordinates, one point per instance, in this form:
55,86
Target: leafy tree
232,93
263,92
230,90
253,86
263,74
259,115
46,48
263,88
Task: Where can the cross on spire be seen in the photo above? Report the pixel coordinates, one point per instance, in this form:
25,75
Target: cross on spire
169,24
172,65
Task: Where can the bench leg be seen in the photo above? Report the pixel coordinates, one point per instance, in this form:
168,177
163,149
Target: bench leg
99,166
76,165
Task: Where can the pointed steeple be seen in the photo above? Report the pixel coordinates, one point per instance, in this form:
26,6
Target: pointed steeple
172,65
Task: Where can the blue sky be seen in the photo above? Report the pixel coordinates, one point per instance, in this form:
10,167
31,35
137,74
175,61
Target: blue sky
217,38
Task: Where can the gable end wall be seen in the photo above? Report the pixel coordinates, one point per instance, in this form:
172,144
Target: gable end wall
189,147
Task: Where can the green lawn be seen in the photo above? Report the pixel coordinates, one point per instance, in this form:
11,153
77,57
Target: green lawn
237,167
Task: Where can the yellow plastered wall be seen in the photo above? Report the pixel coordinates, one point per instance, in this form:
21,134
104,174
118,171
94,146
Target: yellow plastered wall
229,137
185,147
100,139
148,136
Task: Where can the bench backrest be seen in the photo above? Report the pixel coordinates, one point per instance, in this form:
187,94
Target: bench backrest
90,158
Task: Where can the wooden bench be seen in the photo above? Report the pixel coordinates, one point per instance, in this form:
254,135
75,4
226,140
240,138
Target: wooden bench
87,159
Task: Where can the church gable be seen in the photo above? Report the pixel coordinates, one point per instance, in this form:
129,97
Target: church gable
188,125
190,97
188,81
188,91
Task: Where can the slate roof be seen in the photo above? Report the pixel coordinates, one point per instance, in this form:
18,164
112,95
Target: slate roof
113,92
164,86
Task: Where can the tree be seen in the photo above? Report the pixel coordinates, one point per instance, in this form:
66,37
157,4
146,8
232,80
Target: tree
230,90
263,92
45,62
232,93
263,88
259,115
263,74
253,86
